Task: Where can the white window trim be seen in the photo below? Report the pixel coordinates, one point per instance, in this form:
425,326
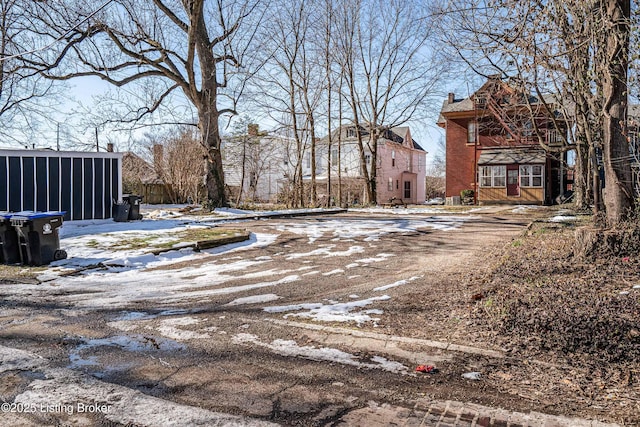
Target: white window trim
495,173
531,176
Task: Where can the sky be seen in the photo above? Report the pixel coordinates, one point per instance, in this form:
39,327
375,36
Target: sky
85,90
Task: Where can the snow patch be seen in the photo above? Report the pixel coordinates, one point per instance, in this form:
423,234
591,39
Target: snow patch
334,311
169,328
291,348
378,258
254,299
563,218
370,230
327,253
396,284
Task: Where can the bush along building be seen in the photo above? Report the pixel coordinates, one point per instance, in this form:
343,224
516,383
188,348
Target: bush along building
503,146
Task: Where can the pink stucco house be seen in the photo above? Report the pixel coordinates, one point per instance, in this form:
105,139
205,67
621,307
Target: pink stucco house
401,164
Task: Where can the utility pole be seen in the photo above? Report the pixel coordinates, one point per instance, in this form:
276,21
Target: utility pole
97,145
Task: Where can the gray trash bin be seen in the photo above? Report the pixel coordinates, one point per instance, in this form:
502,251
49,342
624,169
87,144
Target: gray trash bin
9,249
38,236
134,209
121,212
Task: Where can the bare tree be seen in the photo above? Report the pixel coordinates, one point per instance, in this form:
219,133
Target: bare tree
390,74
575,49
166,49
283,84
613,44
181,167
347,30
251,156
26,98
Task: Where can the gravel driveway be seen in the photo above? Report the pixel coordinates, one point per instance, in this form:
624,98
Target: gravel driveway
315,321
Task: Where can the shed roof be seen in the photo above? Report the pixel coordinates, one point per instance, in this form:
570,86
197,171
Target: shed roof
511,156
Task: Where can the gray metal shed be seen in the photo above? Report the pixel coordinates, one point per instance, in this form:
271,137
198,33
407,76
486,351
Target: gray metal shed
83,184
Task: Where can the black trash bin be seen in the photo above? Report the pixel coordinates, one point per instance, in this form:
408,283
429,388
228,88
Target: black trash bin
9,252
121,212
38,236
134,203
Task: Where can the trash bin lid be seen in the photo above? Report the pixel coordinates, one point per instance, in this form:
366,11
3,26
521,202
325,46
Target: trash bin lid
34,215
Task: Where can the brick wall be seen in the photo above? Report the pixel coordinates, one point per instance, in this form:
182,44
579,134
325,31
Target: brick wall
460,159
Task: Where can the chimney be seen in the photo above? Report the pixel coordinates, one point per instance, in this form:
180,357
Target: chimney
110,147
452,97
252,129
158,156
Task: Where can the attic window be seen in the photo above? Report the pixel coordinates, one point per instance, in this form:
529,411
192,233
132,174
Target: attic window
351,132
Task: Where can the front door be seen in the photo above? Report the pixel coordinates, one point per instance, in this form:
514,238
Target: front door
407,190
513,186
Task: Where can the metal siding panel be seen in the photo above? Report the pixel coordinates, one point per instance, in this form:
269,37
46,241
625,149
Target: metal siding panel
115,178
98,188
54,183
15,184
28,184
77,189
88,186
42,187
65,186
4,184
108,193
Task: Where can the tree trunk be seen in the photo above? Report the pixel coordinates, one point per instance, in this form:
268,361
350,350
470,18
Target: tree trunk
618,193
373,173
312,130
210,133
215,179
242,170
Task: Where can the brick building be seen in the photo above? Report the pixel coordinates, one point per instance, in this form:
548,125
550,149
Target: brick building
505,146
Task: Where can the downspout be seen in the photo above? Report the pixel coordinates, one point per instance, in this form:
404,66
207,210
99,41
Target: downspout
476,187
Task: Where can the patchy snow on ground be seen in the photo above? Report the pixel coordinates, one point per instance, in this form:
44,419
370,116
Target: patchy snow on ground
105,277
326,252
254,299
70,392
131,343
332,272
378,258
402,210
563,218
170,328
334,311
369,230
521,209
323,354
396,284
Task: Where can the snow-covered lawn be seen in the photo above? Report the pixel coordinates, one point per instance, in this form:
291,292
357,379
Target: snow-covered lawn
107,277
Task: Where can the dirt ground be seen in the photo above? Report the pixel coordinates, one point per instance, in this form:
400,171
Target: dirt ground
438,297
